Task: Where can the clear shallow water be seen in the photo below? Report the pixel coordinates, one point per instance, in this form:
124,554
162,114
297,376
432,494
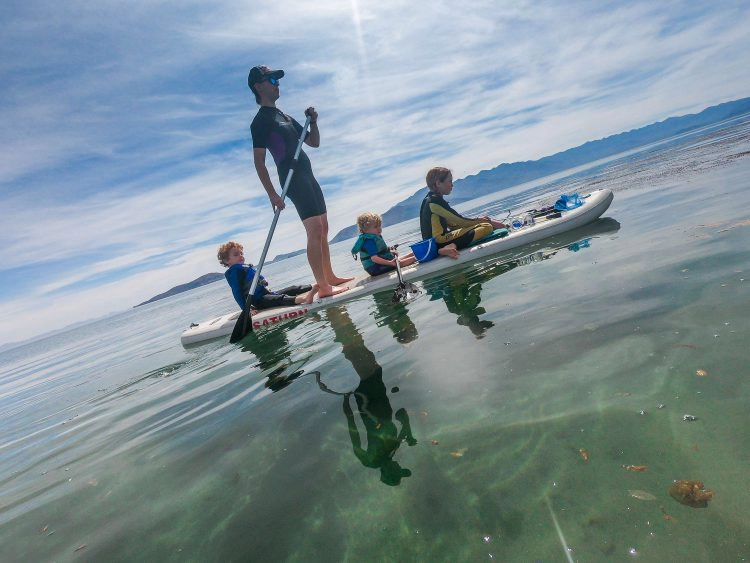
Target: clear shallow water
449,428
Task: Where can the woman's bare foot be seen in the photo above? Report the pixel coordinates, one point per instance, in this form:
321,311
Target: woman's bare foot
335,280
310,295
449,250
329,290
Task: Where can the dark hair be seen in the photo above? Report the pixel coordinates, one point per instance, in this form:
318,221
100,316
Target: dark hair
257,97
258,74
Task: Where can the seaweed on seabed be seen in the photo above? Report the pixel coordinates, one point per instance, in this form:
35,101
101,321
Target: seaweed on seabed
691,493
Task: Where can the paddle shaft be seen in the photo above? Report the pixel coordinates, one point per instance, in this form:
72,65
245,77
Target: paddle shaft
398,265
287,182
398,272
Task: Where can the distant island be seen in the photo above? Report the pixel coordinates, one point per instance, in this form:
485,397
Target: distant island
280,257
203,280
508,175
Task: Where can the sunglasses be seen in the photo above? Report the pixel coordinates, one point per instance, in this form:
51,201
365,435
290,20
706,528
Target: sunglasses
274,81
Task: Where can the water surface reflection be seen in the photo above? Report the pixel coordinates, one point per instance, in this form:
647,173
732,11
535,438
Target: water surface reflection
462,292
381,434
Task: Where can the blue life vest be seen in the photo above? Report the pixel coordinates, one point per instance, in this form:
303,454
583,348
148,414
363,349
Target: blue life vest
240,278
369,245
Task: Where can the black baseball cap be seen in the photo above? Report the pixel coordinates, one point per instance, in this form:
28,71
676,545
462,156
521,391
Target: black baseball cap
260,73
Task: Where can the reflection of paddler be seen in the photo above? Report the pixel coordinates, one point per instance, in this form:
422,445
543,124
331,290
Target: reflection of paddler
373,405
383,437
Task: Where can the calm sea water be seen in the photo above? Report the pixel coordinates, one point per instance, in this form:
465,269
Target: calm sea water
492,418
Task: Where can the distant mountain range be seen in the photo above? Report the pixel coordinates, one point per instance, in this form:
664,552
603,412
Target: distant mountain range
508,175
280,257
203,280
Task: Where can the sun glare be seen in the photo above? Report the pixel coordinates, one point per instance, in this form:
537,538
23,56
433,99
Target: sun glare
358,30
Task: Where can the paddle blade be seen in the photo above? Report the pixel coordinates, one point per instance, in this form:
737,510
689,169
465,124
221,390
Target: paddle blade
399,294
242,327
404,292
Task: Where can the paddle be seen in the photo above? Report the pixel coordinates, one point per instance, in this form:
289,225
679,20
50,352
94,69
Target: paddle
403,289
244,322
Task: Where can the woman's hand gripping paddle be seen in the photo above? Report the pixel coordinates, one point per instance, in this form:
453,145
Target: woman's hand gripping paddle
244,322
403,289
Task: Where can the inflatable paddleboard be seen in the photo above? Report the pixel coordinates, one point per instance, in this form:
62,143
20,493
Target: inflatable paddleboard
590,208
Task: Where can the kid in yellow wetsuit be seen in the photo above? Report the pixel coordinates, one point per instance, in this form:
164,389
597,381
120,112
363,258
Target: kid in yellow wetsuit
438,219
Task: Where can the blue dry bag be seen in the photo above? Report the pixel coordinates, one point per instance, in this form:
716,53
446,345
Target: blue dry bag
568,202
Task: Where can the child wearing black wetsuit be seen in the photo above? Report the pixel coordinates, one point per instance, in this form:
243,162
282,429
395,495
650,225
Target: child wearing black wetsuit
437,219
240,277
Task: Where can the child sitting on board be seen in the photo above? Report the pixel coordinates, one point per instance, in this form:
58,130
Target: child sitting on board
240,277
450,229
373,252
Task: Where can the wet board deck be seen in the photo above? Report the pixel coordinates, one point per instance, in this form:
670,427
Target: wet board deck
595,204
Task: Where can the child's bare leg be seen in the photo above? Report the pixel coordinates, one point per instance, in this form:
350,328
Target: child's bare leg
308,296
408,259
449,250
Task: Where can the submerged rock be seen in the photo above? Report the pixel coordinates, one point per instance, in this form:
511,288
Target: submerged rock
691,493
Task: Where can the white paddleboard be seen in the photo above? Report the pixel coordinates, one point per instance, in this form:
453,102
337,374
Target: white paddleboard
595,204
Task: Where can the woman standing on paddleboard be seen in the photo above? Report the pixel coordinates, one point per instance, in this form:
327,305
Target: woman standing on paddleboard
275,131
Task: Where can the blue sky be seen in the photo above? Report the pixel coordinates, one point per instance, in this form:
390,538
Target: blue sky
126,152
